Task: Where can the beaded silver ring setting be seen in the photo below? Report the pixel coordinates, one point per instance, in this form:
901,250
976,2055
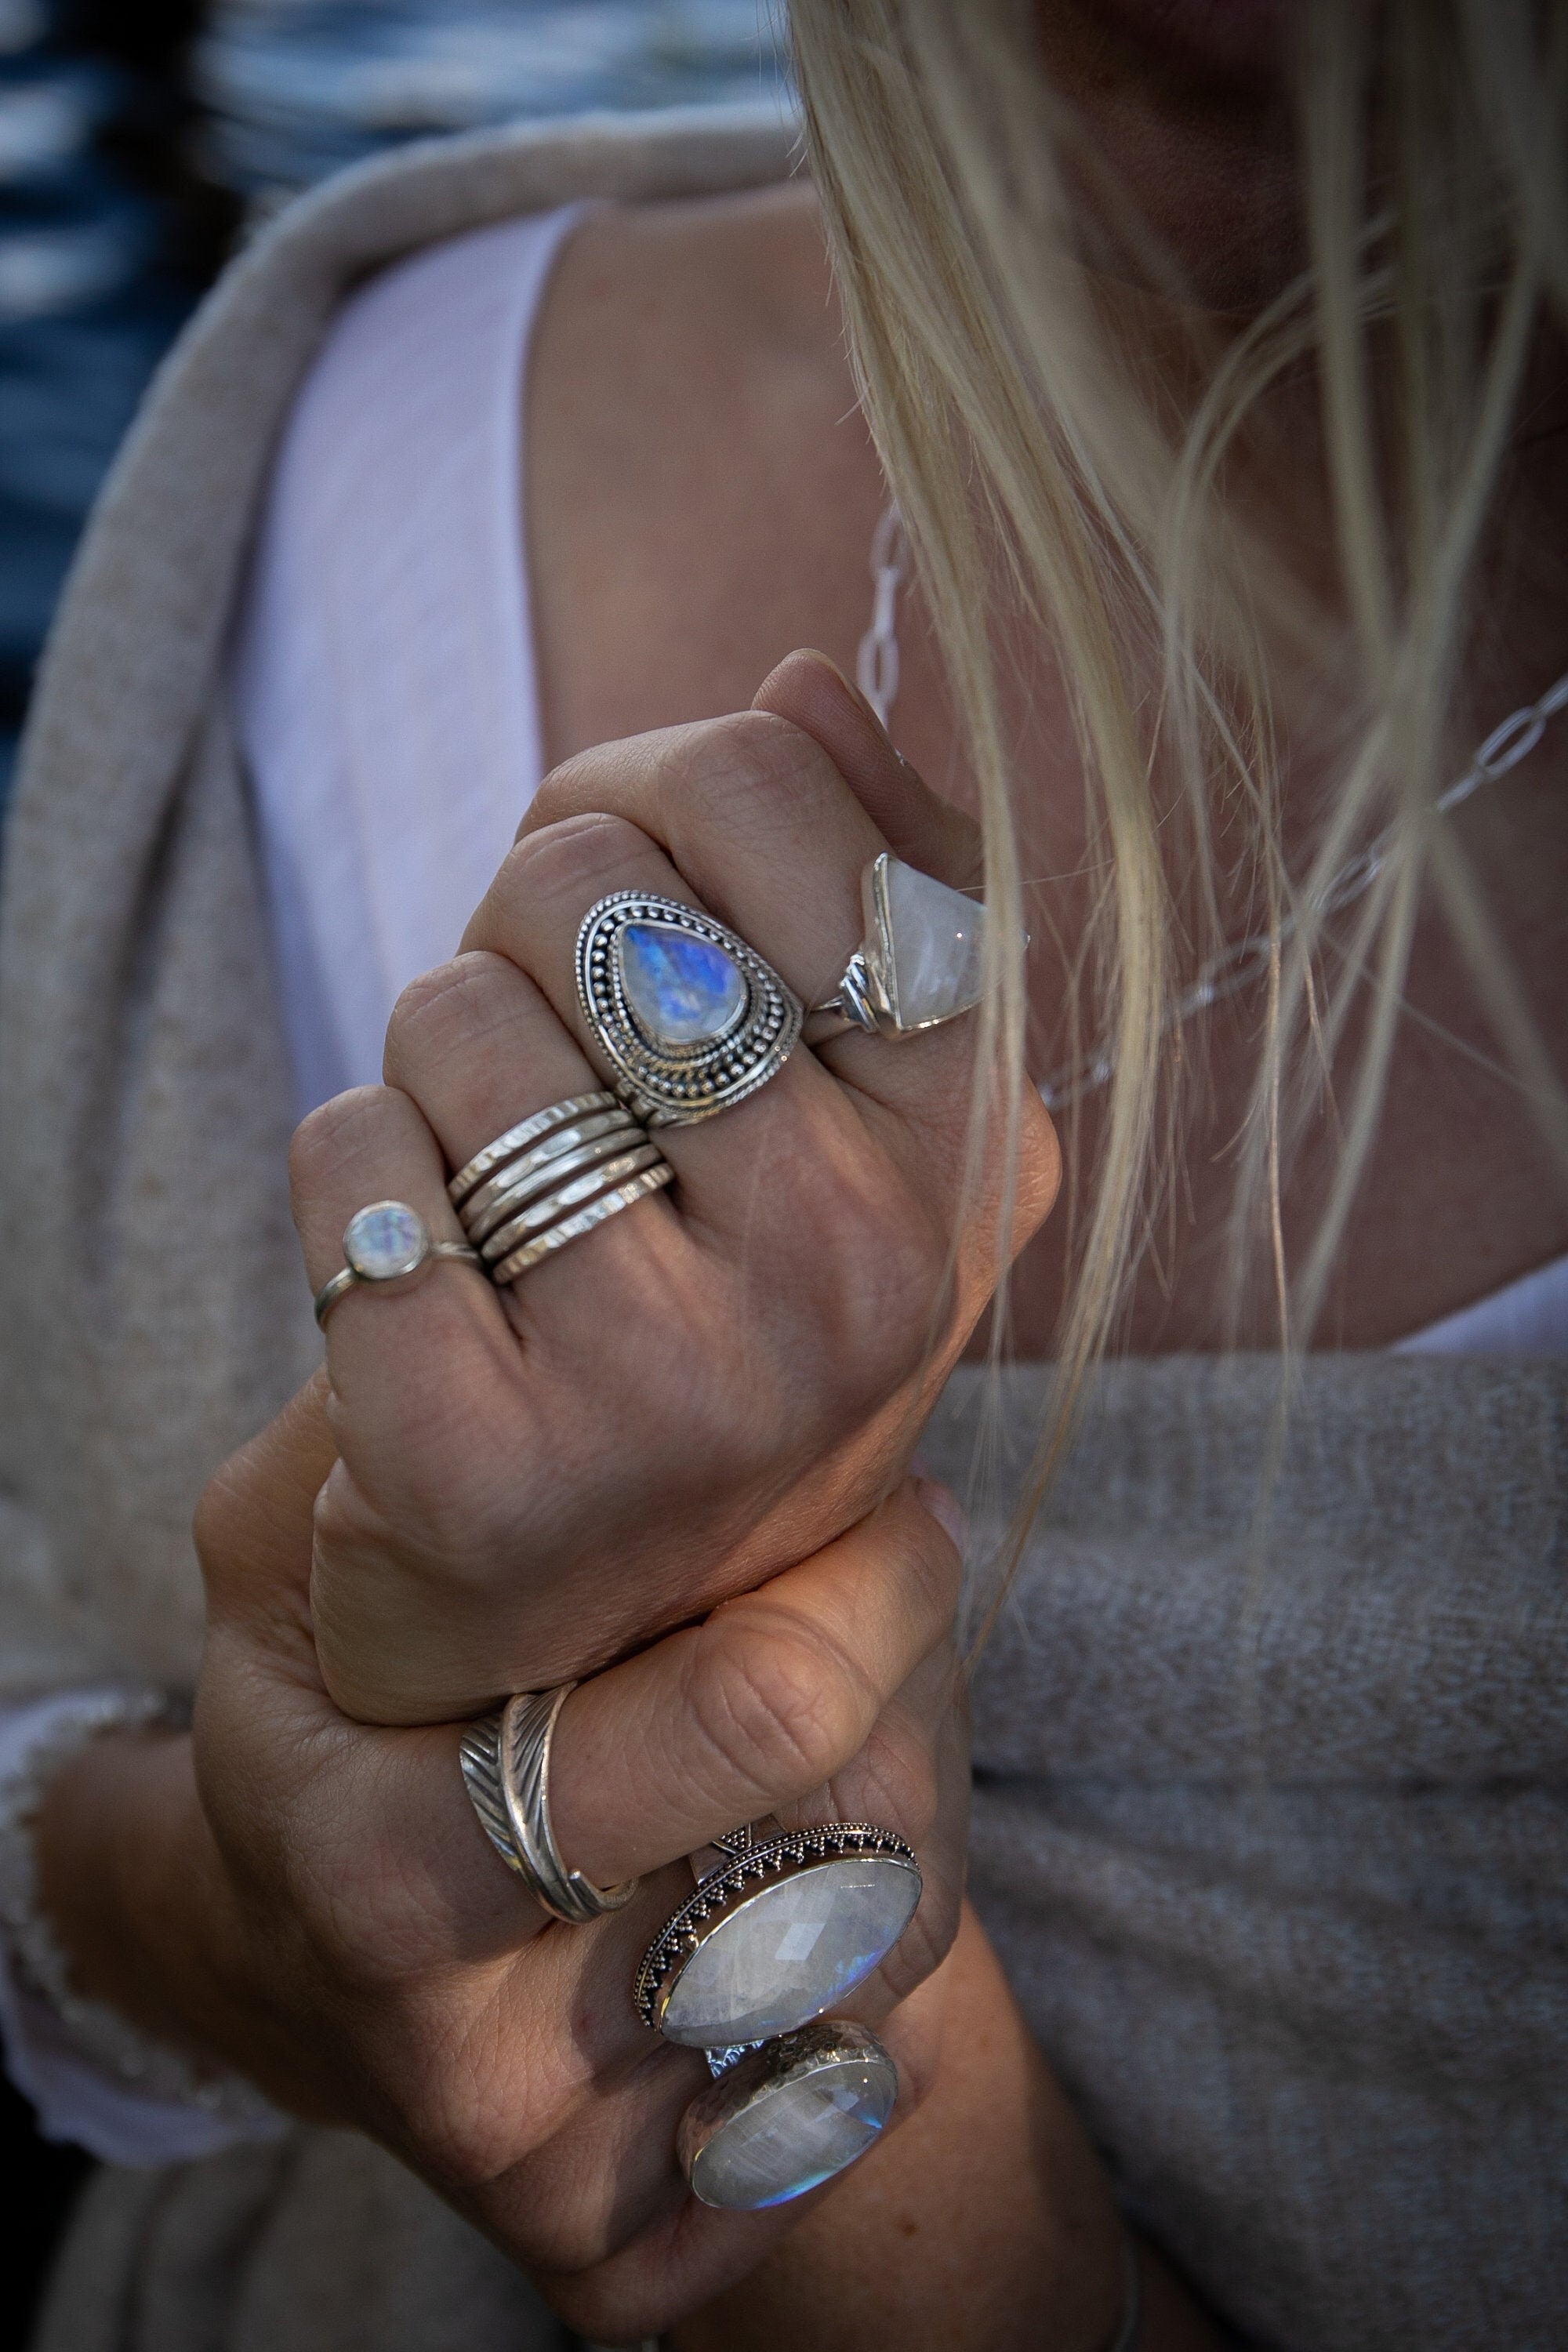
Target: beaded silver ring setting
690,1018
781,1930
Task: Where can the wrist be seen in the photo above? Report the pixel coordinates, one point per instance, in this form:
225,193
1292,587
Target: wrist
132,1887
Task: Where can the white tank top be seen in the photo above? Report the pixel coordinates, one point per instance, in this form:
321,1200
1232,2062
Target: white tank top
384,670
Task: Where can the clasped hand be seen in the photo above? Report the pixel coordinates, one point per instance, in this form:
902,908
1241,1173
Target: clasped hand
697,1418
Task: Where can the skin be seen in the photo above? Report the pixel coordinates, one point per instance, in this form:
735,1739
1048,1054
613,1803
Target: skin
700,498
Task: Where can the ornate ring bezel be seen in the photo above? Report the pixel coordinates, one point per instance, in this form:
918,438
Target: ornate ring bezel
672,1086
726,1890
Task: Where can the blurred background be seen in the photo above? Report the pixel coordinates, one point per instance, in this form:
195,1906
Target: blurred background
139,142
138,139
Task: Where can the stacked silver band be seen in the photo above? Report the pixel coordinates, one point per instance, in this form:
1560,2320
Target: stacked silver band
505,1769
552,1178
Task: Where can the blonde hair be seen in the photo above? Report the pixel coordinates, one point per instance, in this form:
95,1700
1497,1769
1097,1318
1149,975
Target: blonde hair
1041,484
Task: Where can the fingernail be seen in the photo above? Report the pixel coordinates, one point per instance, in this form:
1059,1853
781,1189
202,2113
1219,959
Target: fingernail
813,653
945,1509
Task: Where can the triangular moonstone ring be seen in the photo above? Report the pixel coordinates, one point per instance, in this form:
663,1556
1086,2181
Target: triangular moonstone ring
921,962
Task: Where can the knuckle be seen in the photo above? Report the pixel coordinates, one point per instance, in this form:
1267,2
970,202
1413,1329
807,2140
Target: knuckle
755,774
560,860
453,1003
332,1136
778,1705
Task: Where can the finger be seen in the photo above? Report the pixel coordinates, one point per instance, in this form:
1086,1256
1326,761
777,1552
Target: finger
767,1700
685,2252
813,694
370,1145
480,1049
757,819
735,1171
766,833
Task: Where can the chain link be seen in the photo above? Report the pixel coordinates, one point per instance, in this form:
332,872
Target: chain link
1235,966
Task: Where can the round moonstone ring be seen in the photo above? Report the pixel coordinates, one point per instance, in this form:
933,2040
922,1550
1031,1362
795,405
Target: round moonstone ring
688,1018
920,963
384,1243
778,1934
786,2117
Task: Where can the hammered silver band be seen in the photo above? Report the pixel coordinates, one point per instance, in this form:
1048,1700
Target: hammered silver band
506,1770
552,1178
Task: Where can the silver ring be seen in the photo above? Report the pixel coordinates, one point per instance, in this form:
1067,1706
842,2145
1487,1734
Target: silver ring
600,1175
778,1934
583,1221
506,1770
920,963
386,1242
518,1139
552,1178
569,1149
827,2091
690,1018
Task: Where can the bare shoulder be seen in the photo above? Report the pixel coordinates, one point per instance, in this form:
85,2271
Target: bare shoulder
700,488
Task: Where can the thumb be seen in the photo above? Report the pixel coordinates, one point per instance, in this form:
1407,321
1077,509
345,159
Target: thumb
918,825
254,1523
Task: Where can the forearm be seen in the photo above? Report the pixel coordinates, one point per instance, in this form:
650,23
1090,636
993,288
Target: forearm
984,2221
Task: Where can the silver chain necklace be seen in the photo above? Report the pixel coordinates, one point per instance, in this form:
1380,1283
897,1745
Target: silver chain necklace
1512,740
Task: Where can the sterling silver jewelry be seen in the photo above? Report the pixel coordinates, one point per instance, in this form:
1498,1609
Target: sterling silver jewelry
506,1770
386,1242
552,1178
778,1934
581,1144
518,1139
571,1227
690,1018
919,964
1242,962
788,2116
1131,2295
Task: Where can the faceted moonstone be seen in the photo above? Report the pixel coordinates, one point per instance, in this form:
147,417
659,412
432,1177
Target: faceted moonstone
791,1951
384,1240
937,936
682,990
798,2136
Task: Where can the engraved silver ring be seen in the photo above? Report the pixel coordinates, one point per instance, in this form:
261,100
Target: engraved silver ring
506,1770
554,1176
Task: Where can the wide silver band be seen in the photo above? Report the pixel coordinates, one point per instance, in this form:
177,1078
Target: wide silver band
506,1770
387,1241
919,963
690,1018
553,1177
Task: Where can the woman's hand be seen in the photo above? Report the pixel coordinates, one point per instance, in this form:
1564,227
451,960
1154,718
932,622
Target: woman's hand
314,1901
530,1483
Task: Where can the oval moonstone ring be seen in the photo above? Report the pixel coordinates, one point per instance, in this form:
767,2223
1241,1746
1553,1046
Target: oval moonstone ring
777,1935
784,2118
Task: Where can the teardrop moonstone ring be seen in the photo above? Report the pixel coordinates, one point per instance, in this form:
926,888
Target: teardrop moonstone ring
690,1019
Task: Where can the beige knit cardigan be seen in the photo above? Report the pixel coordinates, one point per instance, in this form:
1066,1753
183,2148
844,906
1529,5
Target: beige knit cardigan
1276,1864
